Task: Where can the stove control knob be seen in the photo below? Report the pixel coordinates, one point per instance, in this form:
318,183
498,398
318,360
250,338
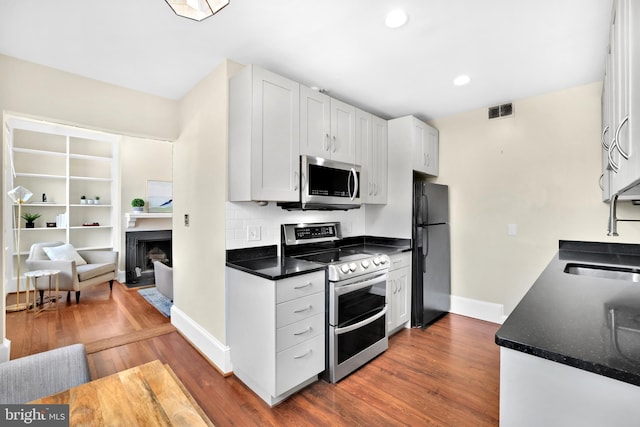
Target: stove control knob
344,268
376,261
365,264
383,260
353,266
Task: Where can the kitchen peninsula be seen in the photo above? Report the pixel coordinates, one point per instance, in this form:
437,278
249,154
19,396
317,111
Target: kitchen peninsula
570,350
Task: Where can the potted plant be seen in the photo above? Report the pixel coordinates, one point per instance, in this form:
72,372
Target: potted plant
137,204
96,201
30,217
83,200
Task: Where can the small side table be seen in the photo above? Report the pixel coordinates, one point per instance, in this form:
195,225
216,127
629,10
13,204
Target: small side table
37,274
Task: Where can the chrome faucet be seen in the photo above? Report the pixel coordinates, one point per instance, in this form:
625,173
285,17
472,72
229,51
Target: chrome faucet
613,221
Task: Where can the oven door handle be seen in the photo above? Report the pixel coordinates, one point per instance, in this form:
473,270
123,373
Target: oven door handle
339,290
358,325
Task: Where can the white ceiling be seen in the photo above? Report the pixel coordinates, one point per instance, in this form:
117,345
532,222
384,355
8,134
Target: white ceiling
512,49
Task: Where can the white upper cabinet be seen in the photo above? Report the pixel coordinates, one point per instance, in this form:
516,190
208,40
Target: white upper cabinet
425,147
315,123
264,135
327,127
423,140
621,98
371,135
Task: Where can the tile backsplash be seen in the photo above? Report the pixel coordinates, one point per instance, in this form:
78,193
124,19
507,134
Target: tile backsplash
249,224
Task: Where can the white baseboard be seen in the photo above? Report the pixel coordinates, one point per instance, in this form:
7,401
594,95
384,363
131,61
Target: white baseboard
207,344
489,311
5,350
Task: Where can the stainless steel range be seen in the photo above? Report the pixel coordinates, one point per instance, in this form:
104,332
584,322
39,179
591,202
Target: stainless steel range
356,303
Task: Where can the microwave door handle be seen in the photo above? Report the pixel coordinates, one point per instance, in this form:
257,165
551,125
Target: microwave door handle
355,186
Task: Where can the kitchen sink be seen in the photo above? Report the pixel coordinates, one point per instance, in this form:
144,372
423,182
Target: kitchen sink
604,272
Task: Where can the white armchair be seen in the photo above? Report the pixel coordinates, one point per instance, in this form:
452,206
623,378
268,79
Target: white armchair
164,279
100,267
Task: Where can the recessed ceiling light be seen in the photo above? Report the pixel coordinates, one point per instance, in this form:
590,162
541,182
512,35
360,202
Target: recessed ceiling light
396,18
461,80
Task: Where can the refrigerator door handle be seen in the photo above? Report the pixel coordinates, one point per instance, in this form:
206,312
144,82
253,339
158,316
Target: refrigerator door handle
425,247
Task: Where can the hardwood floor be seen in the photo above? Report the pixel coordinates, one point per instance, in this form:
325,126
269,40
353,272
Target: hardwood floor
445,375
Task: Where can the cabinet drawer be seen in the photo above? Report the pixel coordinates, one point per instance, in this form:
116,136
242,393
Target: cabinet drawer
299,286
297,332
299,363
298,309
400,260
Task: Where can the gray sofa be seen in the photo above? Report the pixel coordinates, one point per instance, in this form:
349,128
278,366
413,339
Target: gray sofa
101,267
38,375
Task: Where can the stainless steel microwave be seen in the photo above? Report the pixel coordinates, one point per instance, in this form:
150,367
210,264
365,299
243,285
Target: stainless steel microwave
327,185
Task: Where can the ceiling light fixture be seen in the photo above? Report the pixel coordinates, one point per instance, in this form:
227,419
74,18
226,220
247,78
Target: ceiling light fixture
396,18
461,80
197,9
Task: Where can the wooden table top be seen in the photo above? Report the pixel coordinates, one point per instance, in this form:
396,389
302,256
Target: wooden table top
146,395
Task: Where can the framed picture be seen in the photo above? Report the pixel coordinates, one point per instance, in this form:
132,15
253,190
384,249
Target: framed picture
160,196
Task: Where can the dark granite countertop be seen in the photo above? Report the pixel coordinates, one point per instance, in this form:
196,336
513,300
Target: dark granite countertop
382,245
263,261
590,323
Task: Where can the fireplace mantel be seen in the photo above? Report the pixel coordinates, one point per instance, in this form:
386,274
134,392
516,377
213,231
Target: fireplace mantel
132,217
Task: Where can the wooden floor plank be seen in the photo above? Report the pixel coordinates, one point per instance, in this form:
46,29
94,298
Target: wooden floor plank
445,375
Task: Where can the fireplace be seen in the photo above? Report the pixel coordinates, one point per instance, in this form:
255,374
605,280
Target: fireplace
142,249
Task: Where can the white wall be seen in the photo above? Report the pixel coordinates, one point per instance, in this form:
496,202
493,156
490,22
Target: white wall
240,215
538,170
200,185
36,91
142,160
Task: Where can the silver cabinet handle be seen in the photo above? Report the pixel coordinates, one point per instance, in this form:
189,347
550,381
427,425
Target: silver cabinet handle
620,150
602,137
302,310
306,285
296,177
303,355
427,160
326,143
306,331
614,166
601,181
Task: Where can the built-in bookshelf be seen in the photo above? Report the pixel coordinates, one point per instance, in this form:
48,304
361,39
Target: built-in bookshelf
60,164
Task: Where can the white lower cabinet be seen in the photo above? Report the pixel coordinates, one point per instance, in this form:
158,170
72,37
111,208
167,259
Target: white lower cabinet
399,292
276,332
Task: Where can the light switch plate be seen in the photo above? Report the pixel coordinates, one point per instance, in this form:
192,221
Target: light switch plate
512,229
253,232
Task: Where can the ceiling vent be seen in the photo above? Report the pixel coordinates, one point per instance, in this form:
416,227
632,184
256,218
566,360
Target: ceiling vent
500,111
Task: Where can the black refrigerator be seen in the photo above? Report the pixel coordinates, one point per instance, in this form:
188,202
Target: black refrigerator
431,253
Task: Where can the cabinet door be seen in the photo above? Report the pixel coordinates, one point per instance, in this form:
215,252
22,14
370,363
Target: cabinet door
343,132
379,160
315,123
364,138
275,145
606,133
425,147
401,308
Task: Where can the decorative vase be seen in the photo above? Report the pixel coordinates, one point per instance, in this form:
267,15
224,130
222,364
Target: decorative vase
83,201
138,209
30,225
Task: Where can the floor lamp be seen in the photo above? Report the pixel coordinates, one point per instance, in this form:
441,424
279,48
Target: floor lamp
19,195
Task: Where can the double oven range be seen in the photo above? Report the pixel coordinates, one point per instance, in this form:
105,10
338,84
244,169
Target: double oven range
356,294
